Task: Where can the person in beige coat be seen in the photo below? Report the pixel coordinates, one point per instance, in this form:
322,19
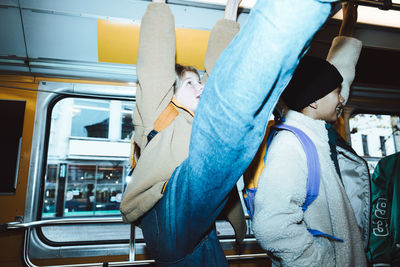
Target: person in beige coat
166,87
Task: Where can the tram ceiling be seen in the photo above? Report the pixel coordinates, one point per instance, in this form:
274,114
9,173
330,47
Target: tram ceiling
61,38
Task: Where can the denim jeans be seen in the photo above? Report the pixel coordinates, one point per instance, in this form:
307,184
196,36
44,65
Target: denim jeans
228,128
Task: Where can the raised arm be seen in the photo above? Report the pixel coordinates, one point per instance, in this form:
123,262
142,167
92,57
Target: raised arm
155,67
345,49
221,35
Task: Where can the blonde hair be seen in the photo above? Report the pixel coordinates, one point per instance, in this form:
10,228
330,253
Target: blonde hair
180,72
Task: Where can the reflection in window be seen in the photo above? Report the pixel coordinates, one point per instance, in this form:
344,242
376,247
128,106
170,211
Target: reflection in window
127,121
92,188
79,195
90,118
109,188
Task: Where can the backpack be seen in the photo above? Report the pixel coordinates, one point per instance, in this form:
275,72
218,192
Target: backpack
253,173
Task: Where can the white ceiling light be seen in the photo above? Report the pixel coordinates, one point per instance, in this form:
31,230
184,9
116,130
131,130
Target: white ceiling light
375,16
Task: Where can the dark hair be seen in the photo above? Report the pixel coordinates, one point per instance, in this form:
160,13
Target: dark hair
180,72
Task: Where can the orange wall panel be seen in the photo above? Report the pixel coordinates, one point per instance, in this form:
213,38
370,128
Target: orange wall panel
14,205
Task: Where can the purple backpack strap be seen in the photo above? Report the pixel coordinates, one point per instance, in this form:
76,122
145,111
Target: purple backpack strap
314,170
313,165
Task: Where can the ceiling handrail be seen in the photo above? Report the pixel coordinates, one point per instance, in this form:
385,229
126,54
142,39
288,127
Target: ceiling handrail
383,5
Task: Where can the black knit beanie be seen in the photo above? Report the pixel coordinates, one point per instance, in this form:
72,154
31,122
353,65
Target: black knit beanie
313,79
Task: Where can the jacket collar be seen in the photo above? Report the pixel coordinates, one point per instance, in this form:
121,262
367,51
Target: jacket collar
315,129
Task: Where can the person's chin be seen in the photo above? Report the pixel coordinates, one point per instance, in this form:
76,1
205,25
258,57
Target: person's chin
333,120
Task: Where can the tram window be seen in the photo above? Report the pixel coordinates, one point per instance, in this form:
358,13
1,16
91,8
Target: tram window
374,136
88,153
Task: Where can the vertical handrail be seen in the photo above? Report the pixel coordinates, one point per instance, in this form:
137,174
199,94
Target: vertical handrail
132,241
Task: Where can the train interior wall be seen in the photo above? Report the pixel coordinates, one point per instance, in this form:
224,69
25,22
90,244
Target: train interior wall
53,41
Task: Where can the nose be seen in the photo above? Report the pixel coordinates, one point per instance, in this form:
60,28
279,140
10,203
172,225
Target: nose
200,87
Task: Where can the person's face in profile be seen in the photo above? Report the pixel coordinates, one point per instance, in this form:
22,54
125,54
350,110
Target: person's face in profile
330,106
188,94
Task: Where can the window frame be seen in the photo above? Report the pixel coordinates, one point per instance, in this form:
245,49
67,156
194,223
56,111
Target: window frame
50,93
40,202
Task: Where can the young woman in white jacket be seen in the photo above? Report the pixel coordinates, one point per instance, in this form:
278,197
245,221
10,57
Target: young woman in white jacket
280,225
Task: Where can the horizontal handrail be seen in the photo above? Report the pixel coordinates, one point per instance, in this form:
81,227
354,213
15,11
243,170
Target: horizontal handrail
28,225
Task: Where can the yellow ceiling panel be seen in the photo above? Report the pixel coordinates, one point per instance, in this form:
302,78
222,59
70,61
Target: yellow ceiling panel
191,47
118,43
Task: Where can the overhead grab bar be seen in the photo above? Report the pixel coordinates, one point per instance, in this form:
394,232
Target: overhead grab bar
384,4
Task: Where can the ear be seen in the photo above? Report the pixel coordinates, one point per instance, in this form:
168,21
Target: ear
313,105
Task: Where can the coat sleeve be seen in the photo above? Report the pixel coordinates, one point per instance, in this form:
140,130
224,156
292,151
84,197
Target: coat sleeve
220,36
344,54
278,222
155,67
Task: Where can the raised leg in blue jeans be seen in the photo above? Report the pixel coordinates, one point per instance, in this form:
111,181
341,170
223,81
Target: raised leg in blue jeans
228,127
